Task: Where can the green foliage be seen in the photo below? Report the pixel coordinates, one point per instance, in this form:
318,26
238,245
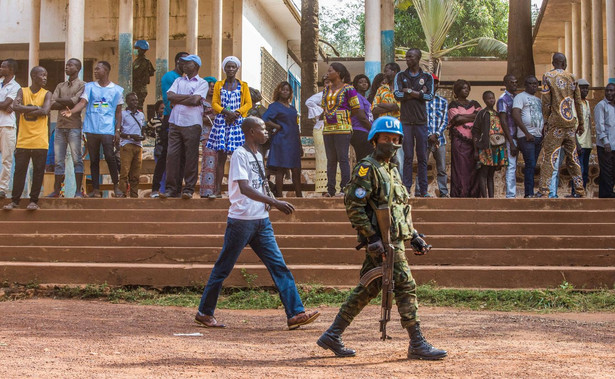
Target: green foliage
343,26
477,18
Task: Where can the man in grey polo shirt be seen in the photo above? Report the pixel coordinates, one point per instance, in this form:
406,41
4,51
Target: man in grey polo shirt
68,129
186,94
8,133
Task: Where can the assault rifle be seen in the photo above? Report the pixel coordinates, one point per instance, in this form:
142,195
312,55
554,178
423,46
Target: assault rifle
383,215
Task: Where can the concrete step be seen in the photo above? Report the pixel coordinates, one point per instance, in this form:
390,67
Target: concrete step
323,241
309,215
301,228
162,275
329,203
296,255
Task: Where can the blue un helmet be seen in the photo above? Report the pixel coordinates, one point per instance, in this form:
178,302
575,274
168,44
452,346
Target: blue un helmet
385,124
142,44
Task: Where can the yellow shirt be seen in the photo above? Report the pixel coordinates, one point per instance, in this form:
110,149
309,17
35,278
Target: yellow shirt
33,131
384,95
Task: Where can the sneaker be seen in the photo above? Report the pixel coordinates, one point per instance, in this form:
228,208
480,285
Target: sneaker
32,206
155,195
302,318
2,195
10,206
186,195
95,193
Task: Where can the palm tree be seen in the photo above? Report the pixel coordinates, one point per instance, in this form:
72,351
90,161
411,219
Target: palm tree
437,17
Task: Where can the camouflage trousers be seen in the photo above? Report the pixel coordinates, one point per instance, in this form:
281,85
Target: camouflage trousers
404,291
554,140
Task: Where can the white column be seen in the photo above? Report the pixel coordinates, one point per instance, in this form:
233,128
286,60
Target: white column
597,37
568,43
372,38
162,44
192,34
586,39
576,39
561,44
35,36
75,31
610,39
125,45
216,38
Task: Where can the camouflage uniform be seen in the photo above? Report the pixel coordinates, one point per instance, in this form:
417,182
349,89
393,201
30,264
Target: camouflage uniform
370,184
562,110
142,69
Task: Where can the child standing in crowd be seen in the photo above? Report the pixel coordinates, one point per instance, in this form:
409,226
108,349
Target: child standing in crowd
489,139
339,102
34,104
209,161
231,102
131,135
285,151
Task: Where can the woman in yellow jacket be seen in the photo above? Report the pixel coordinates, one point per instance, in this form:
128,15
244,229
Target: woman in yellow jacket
231,103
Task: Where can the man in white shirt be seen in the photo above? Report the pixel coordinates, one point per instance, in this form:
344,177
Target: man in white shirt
248,224
604,115
8,134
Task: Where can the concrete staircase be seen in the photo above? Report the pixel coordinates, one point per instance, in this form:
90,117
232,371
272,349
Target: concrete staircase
480,243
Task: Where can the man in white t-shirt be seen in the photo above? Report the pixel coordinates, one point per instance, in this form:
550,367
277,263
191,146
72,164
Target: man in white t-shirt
527,113
248,224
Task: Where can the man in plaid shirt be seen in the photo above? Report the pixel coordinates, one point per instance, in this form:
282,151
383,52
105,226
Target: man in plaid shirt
437,120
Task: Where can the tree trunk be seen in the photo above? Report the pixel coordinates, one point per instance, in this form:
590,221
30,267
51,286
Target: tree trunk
520,51
309,59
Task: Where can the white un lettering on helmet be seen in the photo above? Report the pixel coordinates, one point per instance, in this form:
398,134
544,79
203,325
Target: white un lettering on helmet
390,124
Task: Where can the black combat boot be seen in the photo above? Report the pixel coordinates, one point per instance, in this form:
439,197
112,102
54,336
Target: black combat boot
332,338
421,349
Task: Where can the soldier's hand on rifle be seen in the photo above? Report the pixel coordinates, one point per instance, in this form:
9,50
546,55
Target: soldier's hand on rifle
418,244
375,247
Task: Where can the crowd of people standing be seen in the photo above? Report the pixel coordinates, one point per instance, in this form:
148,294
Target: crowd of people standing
207,113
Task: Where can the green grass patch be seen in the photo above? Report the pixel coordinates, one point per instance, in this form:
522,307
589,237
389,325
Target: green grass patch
562,299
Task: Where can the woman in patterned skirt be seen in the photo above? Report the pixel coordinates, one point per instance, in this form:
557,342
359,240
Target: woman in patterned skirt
231,103
210,157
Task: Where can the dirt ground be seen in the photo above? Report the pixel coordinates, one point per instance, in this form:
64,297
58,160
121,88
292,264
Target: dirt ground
71,338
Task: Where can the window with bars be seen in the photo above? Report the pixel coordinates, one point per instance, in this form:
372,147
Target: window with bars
272,73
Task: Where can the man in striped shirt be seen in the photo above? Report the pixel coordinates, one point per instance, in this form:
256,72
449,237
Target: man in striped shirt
437,120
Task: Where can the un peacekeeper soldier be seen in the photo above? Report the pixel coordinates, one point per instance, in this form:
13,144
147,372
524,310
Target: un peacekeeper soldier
374,178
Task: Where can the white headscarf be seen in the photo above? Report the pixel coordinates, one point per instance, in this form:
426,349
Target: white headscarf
231,59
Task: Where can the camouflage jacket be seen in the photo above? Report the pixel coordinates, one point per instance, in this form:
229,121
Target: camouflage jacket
561,99
142,69
370,186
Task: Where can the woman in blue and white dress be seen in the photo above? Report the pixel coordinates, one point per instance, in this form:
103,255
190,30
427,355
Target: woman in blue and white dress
231,103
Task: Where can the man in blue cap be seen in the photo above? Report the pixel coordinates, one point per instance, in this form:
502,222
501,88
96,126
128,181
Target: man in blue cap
186,95
142,70
376,183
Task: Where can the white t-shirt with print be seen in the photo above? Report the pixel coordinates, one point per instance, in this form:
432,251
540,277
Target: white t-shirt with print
531,114
244,167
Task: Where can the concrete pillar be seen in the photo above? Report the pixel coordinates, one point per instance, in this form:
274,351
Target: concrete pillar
586,40
372,38
597,45
35,36
192,21
610,39
387,35
237,31
75,31
568,43
576,39
125,45
162,44
216,41
561,44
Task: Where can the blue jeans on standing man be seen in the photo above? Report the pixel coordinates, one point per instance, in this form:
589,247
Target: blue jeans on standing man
415,135
67,137
530,151
259,235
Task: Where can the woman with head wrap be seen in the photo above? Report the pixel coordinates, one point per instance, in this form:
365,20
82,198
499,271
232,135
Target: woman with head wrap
209,161
231,102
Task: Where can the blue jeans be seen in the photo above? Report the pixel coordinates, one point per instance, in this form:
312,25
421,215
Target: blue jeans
63,138
555,176
336,148
511,173
259,235
418,133
530,151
